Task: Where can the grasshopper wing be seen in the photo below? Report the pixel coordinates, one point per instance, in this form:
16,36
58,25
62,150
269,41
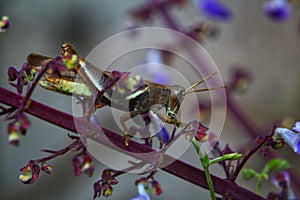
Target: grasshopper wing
36,61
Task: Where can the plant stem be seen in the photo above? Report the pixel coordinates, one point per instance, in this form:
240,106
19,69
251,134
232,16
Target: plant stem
177,168
247,157
121,172
205,164
59,152
258,187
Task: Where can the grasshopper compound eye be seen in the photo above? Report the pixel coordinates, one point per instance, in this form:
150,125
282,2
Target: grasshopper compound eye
172,115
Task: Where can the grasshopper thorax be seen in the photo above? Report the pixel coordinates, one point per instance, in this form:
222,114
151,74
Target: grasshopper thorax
175,99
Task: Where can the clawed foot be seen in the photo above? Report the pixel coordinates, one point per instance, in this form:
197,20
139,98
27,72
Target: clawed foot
126,139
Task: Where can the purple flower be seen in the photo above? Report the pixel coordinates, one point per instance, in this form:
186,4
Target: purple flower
31,173
281,176
214,9
113,181
162,134
107,189
4,24
155,68
106,174
156,187
24,123
289,137
18,76
143,195
296,128
201,132
46,168
97,189
82,163
13,135
17,127
282,179
278,10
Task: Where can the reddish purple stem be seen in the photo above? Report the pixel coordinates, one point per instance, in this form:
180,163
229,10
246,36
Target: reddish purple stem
61,152
177,168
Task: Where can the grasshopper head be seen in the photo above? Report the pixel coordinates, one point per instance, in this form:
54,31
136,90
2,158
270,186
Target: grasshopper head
178,93
176,97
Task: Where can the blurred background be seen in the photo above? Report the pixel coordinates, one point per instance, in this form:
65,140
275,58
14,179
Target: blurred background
269,50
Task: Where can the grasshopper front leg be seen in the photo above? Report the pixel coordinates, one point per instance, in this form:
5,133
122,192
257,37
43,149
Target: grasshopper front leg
125,117
165,118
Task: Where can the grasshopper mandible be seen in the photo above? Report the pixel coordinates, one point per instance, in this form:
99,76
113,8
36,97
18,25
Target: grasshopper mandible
145,97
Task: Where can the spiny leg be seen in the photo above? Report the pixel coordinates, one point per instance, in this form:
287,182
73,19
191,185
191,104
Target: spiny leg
125,117
166,118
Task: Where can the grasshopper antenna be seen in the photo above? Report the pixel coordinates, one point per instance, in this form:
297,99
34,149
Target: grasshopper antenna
202,90
199,82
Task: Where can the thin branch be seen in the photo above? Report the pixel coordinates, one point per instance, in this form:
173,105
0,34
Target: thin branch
247,157
61,152
32,87
121,172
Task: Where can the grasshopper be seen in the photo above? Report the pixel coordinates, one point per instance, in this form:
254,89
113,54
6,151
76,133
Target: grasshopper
142,98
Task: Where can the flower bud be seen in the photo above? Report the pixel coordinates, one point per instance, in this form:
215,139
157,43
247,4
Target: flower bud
107,189
201,134
30,173
97,189
46,168
156,187
4,24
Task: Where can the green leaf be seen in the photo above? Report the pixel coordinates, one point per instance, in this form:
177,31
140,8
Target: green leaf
249,173
264,176
230,156
276,164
